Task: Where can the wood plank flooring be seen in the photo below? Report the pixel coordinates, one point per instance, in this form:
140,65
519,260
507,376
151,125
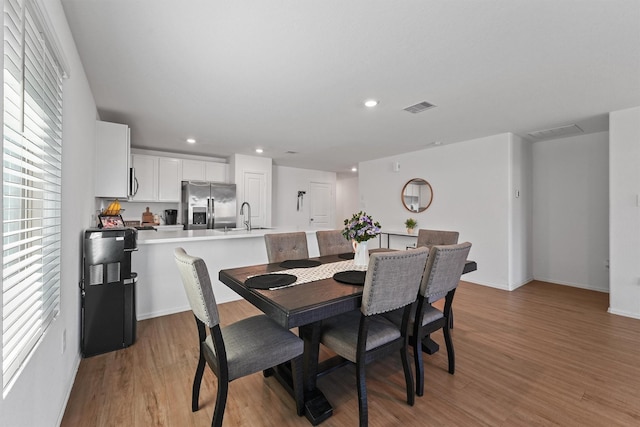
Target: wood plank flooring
541,355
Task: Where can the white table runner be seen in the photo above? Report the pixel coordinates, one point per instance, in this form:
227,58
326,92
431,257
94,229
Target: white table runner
323,271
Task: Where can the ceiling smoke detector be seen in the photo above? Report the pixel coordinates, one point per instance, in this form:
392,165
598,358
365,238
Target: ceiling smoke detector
419,107
558,132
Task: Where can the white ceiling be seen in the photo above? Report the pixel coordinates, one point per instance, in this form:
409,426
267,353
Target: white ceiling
291,75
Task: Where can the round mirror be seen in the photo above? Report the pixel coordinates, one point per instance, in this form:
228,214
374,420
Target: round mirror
417,195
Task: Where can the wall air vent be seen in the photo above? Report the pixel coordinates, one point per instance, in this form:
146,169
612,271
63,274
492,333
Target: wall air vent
291,152
419,107
554,133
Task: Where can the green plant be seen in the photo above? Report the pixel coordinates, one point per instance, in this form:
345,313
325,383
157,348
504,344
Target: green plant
360,227
411,223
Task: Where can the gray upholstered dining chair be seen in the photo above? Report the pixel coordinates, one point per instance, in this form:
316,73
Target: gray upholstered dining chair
332,242
391,282
441,277
429,238
286,246
248,346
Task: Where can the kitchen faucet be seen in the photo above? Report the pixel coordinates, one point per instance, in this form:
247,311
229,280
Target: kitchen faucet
246,223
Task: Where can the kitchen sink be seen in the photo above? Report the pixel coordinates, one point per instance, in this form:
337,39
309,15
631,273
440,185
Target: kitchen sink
245,229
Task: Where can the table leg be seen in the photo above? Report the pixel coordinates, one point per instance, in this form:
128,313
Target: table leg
429,346
316,407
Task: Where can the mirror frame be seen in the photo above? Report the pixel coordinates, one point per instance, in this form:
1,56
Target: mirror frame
419,181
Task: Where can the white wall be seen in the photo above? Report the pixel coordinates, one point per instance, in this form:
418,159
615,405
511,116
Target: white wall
624,213
39,395
471,186
521,221
287,181
571,215
347,198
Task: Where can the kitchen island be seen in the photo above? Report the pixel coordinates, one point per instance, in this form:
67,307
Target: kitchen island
159,289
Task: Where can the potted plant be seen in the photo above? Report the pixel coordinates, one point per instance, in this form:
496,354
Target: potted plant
360,228
410,224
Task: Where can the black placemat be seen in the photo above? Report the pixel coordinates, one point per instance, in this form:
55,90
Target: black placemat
351,277
348,255
267,281
299,263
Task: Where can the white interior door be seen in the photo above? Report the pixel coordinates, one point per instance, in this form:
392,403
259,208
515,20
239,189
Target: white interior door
255,192
320,204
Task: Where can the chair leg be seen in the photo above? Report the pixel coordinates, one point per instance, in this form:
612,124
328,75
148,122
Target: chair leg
197,380
298,384
221,402
451,319
408,376
450,353
417,357
362,394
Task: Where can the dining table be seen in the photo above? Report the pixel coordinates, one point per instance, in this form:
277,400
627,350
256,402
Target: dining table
305,306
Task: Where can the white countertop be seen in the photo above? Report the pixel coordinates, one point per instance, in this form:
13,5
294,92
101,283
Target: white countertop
150,237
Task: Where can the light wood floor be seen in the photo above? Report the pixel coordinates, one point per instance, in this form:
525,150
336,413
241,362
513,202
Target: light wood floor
541,355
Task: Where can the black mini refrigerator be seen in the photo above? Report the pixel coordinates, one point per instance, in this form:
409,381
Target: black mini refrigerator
108,290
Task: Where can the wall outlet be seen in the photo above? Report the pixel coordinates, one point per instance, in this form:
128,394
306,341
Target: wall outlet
64,341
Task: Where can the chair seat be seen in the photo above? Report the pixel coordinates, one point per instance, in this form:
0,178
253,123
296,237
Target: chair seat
340,333
255,344
430,314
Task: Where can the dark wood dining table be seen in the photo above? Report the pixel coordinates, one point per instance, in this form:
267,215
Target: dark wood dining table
304,306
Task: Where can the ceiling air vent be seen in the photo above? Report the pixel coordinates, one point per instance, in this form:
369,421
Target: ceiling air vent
419,107
558,132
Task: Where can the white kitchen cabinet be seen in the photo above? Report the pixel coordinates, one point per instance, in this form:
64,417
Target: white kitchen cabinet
146,177
216,172
113,160
169,172
157,178
199,170
193,170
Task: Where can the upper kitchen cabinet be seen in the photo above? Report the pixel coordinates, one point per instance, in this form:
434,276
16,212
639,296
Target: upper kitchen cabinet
198,170
169,171
146,178
192,170
113,159
157,179
216,172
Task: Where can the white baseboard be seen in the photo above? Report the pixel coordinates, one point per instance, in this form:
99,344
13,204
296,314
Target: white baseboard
173,310
624,313
69,388
574,285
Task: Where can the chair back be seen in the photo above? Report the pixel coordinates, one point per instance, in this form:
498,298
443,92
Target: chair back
443,270
197,285
392,280
436,237
286,246
332,242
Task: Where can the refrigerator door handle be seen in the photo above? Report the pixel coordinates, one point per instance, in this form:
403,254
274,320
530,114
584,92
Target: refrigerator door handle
213,212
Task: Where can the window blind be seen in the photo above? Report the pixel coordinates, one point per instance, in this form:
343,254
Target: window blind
31,202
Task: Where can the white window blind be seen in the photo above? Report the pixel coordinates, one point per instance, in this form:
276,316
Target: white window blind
31,199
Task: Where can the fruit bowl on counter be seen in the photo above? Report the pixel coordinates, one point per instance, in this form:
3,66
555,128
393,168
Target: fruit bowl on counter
113,208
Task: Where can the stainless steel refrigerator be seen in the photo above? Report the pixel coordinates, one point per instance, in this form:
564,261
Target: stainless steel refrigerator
208,205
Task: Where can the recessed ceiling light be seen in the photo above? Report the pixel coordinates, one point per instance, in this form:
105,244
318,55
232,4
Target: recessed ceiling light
191,140
354,169
259,150
370,103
